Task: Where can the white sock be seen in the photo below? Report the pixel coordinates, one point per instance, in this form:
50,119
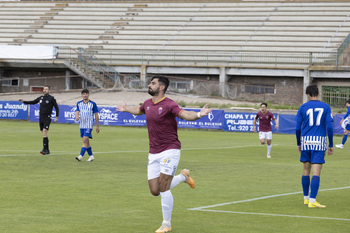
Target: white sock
177,180
306,197
312,200
269,149
167,201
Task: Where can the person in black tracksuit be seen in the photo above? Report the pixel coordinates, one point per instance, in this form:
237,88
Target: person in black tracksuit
47,102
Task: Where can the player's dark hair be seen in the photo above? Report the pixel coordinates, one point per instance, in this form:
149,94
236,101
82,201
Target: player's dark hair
162,81
47,86
85,91
263,104
348,101
312,90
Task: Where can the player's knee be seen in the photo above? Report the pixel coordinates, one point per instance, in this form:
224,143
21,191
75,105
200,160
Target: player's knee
155,192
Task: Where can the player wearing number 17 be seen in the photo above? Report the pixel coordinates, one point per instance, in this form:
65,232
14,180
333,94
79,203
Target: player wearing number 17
314,121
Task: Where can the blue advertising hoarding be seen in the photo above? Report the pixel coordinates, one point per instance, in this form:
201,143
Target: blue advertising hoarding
34,112
337,127
218,119
242,122
213,120
110,116
287,124
13,110
107,116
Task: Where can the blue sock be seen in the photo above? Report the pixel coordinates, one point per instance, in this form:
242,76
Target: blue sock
82,152
89,151
344,139
315,184
305,182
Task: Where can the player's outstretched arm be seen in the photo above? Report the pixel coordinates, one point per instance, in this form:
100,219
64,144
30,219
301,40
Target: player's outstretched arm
125,108
30,102
192,115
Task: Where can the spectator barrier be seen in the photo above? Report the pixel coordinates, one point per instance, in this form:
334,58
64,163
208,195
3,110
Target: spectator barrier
218,119
13,110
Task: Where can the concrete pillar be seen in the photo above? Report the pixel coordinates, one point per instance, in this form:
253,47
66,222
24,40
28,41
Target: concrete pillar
306,82
223,82
68,82
143,74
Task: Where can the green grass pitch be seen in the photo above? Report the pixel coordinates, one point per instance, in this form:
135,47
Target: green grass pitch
55,193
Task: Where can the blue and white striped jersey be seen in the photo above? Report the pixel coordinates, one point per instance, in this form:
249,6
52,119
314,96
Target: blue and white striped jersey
86,113
314,118
347,116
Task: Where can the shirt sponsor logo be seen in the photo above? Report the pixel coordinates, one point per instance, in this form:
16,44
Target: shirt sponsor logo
312,143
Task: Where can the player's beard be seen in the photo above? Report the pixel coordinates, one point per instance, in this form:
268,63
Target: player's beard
153,92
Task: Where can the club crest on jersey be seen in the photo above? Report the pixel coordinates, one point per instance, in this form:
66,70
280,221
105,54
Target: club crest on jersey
160,110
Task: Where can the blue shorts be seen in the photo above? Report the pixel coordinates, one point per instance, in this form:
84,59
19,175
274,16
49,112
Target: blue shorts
312,156
86,133
347,127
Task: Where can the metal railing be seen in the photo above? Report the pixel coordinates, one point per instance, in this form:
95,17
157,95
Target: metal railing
343,52
95,64
200,58
90,59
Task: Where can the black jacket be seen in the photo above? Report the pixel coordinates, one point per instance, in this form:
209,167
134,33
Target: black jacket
47,102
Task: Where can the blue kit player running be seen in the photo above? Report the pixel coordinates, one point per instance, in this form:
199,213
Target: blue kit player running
345,123
86,111
314,120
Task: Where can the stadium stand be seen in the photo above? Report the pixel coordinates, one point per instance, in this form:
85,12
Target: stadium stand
108,28
230,40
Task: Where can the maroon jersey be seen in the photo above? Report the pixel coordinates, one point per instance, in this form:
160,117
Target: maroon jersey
161,124
265,121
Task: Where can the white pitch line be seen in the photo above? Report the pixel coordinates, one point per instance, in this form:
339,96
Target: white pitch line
276,215
135,151
261,198
205,208
242,201
14,155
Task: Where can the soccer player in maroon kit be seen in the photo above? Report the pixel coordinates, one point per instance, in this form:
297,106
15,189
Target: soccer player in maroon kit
164,152
265,129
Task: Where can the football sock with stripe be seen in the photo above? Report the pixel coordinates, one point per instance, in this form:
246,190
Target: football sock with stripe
305,182
82,151
89,151
344,139
315,184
